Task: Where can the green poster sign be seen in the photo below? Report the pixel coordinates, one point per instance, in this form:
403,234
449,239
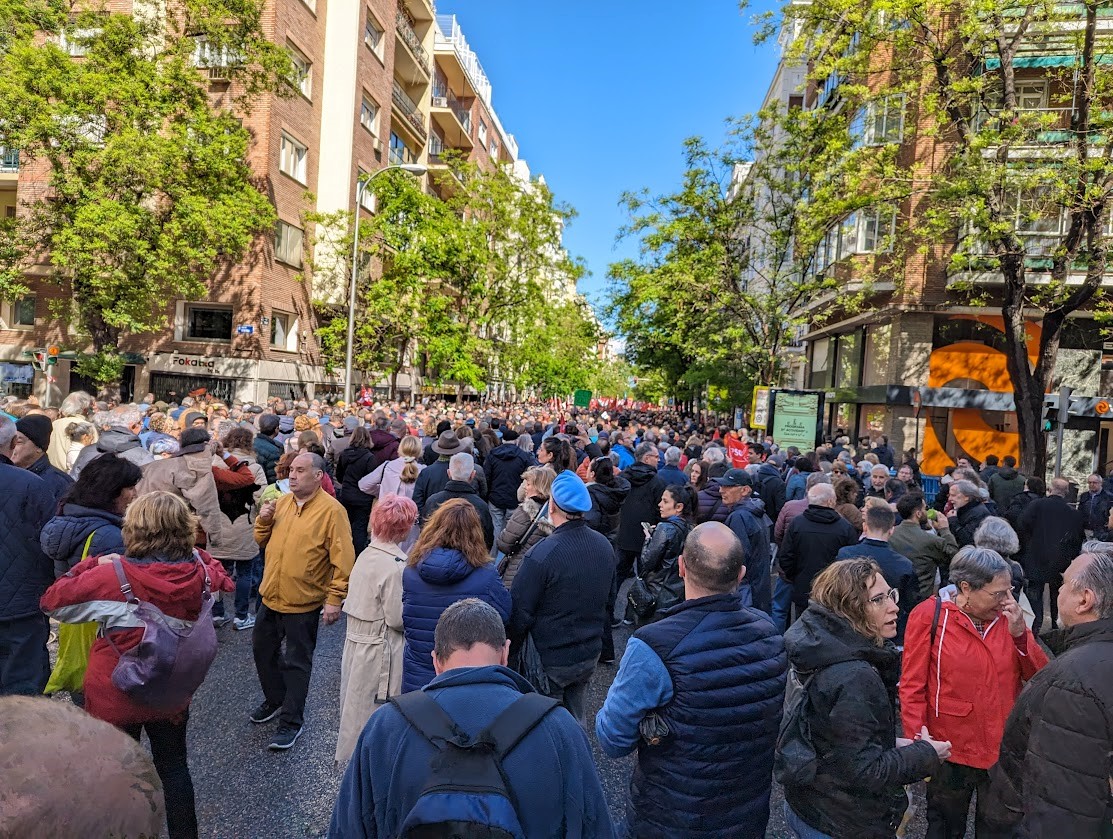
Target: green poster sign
582,399
795,417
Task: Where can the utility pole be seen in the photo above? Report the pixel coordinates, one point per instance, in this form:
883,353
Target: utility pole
1064,415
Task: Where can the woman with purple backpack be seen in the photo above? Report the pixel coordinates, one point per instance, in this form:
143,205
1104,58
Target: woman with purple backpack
161,570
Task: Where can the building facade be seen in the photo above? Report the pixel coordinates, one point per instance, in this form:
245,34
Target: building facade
380,82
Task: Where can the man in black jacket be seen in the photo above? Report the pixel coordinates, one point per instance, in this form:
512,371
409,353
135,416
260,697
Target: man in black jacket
812,542
640,508
433,477
1050,535
747,520
461,470
504,467
268,450
560,598
1053,775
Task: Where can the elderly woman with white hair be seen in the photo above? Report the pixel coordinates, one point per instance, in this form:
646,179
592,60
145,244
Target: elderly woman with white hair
967,654
969,511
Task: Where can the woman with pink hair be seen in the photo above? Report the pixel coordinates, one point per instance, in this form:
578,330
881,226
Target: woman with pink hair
371,669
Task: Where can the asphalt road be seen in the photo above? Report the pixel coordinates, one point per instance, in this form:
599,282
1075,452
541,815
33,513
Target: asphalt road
244,790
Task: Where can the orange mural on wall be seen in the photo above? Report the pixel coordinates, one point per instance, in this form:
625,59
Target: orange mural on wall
972,366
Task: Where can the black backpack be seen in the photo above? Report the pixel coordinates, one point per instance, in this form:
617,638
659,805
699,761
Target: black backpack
467,794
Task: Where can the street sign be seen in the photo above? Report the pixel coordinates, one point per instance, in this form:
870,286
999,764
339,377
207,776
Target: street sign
759,409
582,398
245,329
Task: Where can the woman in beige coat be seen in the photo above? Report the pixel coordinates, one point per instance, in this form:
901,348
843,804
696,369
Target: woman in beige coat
371,669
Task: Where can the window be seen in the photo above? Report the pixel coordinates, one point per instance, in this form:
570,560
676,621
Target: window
291,159
494,147
303,71
23,311
369,115
482,133
288,244
1037,213
875,230
206,323
284,331
368,200
373,35
399,151
76,41
1031,96
880,122
311,5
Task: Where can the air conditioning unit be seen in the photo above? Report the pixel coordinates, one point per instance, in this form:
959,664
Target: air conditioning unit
440,101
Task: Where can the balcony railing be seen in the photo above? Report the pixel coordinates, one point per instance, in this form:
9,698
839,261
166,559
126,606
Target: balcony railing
9,161
1052,126
443,98
409,37
409,108
401,154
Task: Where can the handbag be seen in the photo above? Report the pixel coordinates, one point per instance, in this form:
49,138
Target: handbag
75,640
642,601
504,563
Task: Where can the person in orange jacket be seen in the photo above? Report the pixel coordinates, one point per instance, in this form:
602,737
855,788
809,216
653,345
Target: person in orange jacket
967,654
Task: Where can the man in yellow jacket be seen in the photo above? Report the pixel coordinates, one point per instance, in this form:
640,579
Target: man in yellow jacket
309,556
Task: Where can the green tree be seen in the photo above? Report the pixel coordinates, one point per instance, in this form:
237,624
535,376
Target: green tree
1006,159
149,189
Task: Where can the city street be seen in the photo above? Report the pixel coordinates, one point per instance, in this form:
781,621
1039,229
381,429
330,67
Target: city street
245,791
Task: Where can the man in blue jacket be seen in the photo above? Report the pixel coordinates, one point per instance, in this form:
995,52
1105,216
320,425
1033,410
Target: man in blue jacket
504,467
25,573
713,672
747,520
550,772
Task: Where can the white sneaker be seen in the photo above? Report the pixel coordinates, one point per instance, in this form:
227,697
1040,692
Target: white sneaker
244,623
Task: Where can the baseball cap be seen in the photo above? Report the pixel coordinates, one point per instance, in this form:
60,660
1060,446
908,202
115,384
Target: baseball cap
735,478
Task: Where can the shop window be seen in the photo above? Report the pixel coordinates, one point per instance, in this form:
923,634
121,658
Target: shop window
208,323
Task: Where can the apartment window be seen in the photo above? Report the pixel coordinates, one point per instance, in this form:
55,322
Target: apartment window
23,311
284,331
373,35
1031,96
303,71
76,41
821,351
369,115
482,133
880,122
875,230
288,244
494,148
291,159
209,323
399,151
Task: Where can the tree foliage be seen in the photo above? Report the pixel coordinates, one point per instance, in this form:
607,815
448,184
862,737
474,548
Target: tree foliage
1006,159
149,191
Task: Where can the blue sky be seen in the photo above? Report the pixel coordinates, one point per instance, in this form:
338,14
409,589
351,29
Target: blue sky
600,96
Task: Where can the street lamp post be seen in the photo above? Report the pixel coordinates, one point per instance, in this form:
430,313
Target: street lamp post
361,188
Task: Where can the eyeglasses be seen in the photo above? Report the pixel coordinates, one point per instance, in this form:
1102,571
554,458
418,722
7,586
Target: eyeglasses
892,594
1000,595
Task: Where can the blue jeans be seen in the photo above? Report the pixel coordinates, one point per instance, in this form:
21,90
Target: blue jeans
782,603
801,828
499,518
248,573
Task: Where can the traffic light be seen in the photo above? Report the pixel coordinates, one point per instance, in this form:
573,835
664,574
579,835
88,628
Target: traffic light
1050,413
52,354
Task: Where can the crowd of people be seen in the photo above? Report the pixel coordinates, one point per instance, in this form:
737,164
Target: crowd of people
806,615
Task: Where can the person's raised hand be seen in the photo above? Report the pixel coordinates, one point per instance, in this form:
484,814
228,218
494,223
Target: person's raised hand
266,512
1012,613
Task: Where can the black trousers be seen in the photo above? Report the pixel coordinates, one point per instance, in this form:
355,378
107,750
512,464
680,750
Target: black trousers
1035,597
358,518
24,661
607,653
624,561
284,677
168,749
948,801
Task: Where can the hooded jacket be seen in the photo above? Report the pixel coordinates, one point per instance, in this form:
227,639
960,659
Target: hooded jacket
503,469
90,591
811,543
858,788
640,506
1052,778
964,524
511,539
189,475
442,577
964,687
1004,485
119,441
63,537
606,506
351,467
550,773
384,446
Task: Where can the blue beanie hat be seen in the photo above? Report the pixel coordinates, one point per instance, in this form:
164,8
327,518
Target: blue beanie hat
570,494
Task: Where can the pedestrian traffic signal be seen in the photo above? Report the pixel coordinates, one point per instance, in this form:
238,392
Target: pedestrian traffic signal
1050,412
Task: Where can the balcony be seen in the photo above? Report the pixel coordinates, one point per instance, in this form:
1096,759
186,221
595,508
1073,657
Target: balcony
459,60
9,161
1038,125
452,116
414,119
418,57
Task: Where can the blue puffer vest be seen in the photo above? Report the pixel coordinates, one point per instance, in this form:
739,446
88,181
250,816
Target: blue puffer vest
712,775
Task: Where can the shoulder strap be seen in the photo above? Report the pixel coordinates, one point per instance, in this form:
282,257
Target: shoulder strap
516,721
426,715
88,544
204,570
935,622
125,586
532,527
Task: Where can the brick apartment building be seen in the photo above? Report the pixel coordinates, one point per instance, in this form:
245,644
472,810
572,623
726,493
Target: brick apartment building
919,363
368,98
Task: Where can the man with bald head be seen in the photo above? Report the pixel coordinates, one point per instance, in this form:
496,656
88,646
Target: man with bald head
708,679
309,557
812,541
1051,533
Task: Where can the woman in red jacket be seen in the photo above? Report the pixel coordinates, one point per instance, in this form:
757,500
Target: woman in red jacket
967,654
158,534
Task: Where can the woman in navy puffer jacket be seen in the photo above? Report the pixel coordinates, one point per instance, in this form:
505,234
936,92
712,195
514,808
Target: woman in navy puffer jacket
94,507
449,562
